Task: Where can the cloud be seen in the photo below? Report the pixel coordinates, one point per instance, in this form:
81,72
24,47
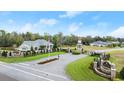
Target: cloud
97,17
38,26
10,21
70,14
98,29
74,27
119,32
26,28
48,21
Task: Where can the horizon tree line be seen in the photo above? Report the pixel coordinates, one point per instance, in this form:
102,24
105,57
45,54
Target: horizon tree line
14,39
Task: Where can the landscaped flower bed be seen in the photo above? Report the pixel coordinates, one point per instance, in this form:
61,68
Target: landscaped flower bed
47,61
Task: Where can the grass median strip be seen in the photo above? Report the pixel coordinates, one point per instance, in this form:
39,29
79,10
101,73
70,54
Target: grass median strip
29,58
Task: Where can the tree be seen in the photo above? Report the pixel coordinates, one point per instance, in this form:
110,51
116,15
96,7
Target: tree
8,39
46,36
122,73
42,47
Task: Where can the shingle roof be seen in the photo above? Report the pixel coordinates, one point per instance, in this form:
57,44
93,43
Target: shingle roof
36,43
101,43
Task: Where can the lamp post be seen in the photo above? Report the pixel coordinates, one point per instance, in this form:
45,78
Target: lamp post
48,48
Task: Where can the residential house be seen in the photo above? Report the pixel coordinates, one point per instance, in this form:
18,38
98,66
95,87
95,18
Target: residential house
26,45
100,43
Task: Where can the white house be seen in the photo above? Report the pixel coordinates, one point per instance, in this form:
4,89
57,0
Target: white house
100,43
26,45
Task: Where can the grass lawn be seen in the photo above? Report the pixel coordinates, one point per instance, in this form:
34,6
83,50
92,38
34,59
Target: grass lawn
88,48
117,57
30,58
80,70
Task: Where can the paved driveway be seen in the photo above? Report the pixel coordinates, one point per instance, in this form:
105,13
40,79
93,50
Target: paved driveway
33,71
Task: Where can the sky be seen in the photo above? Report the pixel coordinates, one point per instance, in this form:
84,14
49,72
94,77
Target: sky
81,23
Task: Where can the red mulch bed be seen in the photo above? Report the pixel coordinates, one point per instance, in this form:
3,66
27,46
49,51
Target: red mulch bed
48,61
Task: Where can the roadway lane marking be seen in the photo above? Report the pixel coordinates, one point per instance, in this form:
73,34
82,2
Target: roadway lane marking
24,64
26,72
42,71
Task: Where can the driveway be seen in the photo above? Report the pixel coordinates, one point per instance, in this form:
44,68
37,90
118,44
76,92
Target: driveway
53,71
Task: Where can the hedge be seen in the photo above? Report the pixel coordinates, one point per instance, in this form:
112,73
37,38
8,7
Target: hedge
76,52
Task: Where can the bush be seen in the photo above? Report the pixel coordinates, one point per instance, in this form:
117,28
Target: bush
122,73
65,50
84,51
7,48
4,53
76,52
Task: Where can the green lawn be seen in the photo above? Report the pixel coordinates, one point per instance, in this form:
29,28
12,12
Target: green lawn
23,59
88,48
80,70
117,57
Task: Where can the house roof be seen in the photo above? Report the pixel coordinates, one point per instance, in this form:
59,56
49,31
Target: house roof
100,43
36,43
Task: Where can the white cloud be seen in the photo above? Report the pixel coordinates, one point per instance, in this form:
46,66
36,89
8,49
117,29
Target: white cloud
118,32
70,14
38,26
48,21
98,29
74,27
10,21
97,17
27,27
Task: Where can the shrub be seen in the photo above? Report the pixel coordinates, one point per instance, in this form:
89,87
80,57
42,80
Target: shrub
10,54
7,48
84,51
122,73
65,50
76,52
4,53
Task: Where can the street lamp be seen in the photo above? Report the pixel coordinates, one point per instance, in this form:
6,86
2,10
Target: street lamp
49,48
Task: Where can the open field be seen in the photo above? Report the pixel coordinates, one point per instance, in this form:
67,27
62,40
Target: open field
88,48
81,70
30,58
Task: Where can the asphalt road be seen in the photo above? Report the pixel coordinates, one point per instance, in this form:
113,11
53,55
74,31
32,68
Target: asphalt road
6,78
31,71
